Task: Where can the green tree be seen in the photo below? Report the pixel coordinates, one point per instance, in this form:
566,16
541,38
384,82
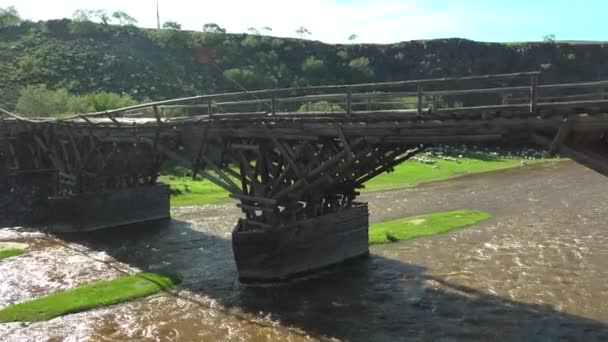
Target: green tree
38,100
213,28
81,15
9,17
361,68
302,31
550,38
343,54
244,76
124,19
102,15
172,25
313,67
81,23
352,37
251,41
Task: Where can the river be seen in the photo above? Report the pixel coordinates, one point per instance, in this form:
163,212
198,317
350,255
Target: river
538,270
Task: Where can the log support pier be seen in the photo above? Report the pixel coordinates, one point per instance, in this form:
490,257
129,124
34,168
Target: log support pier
297,194
72,178
111,208
300,247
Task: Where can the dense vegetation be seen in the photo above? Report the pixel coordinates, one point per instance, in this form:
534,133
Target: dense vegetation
111,55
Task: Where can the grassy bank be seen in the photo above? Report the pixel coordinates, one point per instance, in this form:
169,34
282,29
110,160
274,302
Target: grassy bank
412,172
87,297
186,191
11,249
424,225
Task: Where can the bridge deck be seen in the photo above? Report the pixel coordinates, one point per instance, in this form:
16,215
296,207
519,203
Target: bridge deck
294,157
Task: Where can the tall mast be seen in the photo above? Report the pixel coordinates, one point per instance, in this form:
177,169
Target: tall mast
157,16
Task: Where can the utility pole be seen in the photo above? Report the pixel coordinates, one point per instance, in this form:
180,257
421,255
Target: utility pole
157,16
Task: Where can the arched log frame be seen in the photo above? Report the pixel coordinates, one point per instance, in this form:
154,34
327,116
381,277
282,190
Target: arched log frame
281,180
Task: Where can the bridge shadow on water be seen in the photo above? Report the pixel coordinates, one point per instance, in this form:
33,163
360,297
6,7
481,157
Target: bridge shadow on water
374,299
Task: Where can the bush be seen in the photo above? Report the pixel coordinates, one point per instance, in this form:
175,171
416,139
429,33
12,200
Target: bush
313,66
170,36
245,76
30,67
105,100
38,100
320,106
361,68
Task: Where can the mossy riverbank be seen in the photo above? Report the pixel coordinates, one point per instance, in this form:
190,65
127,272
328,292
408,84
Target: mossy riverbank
11,249
85,297
424,225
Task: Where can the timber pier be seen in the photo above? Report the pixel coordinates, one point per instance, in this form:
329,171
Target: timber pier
293,158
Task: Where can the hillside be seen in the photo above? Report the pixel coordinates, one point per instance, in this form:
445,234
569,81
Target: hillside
157,64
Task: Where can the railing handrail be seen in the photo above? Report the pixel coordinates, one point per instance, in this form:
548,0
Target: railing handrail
278,91
347,92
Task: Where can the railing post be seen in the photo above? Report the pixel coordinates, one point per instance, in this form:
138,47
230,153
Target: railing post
209,109
419,102
273,103
349,103
156,114
533,93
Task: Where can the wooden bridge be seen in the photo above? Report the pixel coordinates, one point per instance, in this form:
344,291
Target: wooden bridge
294,158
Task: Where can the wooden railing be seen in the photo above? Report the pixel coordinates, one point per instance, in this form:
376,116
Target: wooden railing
516,93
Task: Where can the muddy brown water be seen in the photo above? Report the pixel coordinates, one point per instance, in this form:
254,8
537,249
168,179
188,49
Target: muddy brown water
538,270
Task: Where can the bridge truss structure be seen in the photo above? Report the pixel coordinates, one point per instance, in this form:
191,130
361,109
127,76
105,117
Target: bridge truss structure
294,158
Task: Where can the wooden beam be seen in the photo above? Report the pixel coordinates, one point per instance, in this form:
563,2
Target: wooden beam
287,155
257,224
220,173
255,199
419,101
349,151
318,170
349,103
112,118
562,134
256,208
533,93
592,161
176,157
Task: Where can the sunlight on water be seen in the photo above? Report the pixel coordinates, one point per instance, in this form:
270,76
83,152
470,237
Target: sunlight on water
537,269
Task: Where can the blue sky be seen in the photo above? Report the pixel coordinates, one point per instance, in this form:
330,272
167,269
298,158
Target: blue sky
373,21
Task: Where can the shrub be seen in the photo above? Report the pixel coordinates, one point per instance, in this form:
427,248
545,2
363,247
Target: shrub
38,100
170,36
320,106
313,66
